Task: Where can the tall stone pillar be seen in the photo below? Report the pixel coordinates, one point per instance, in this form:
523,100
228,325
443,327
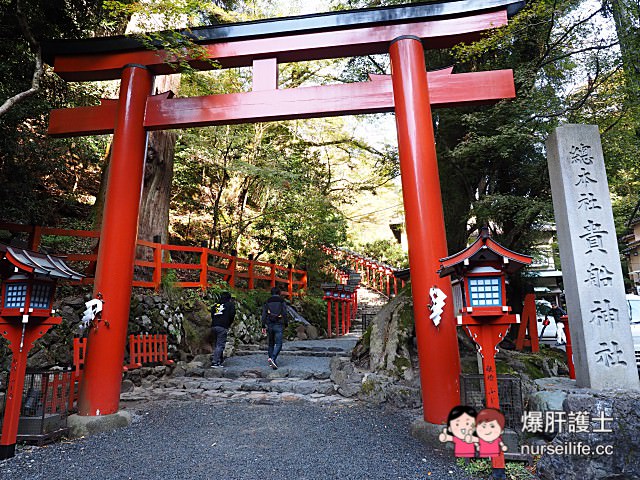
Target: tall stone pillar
593,282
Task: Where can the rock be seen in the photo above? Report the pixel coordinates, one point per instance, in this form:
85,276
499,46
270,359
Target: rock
127,386
179,370
213,373
402,396
621,411
311,331
303,387
146,321
202,360
349,389
75,302
301,333
545,400
148,381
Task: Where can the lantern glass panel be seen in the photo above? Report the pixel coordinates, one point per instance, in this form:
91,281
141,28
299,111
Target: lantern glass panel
15,295
485,292
40,295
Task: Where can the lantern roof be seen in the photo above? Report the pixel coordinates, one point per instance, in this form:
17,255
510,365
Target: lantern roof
38,263
484,249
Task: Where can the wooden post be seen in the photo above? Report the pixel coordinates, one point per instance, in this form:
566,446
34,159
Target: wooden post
290,281
232,268
35,238
157,269
250,271
273,273
204,268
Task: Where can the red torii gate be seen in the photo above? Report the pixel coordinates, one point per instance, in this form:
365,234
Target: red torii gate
409,91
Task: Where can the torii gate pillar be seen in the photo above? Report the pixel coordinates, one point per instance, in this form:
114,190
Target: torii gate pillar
437,346
100,388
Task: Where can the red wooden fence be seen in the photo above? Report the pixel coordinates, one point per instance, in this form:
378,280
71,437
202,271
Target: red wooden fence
146,348
375,275
197,268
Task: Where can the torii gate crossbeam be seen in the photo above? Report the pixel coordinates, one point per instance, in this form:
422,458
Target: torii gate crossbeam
409,91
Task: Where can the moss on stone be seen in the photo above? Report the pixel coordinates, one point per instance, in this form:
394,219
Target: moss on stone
401,363
368,386
503,368
366,338
406,321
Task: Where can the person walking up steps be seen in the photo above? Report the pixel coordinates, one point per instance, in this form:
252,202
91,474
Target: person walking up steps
222,314
274,321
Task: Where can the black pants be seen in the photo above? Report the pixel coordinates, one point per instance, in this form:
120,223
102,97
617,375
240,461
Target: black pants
219,341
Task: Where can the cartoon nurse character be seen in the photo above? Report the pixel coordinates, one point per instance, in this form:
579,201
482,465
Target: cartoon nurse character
461,423
489,428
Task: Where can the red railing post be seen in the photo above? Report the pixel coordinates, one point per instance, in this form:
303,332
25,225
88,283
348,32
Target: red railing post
355,303
388,283
157,266
290,280
273,273
204,268
337,302
35,237
250,271
232,268
329,318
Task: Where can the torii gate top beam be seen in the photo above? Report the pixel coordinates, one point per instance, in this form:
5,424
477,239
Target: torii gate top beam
290,39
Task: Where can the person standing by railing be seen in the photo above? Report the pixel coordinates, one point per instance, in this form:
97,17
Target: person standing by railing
222,315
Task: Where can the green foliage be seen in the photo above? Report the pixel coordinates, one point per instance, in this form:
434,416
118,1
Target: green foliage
259,189
482,467
385,251
168,283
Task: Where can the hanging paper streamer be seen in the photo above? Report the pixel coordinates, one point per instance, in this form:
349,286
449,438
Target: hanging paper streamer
437,304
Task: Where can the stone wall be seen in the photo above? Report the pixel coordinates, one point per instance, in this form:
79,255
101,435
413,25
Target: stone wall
623,407
182,314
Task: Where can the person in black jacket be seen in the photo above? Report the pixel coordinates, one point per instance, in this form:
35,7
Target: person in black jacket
274,321
222,315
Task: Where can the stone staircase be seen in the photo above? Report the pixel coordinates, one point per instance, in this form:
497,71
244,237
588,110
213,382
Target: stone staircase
303,374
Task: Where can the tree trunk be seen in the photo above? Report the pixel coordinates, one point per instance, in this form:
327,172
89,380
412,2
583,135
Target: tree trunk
158,175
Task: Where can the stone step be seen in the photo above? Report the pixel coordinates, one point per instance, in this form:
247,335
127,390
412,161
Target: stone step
246,384
271,389
300,353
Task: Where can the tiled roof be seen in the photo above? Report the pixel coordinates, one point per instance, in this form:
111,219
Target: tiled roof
39,263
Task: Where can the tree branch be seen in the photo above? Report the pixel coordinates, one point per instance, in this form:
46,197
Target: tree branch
38,68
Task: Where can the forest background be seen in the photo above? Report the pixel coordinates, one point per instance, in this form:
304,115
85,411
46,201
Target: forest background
280,190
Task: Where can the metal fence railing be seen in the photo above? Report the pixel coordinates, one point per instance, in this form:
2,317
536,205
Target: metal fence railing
45,406
472,394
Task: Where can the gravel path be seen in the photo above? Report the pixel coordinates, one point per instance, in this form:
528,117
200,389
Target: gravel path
285,441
